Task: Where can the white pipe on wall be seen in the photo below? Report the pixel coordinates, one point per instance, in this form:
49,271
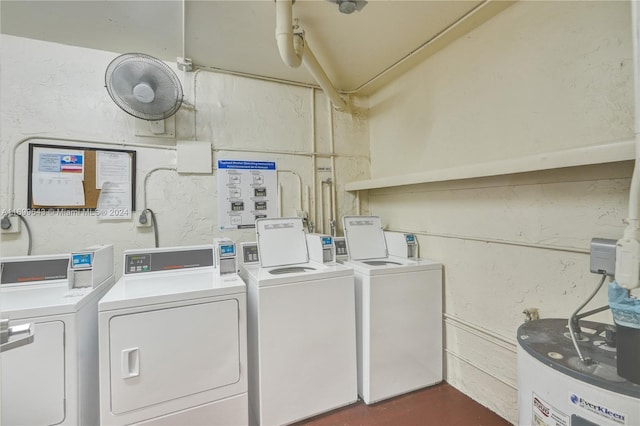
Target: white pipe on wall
299,185
477,366
291,46
312,64
308,201
314,185
481,332
634,193
495,241
320,224
294,49
332,149
628,247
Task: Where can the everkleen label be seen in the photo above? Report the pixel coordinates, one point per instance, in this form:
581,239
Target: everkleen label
598,409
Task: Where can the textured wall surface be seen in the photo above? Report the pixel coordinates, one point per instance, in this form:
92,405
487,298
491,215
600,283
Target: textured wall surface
539,77
51,90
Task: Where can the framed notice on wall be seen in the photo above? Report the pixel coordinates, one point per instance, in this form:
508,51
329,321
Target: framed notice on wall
65,177
247,190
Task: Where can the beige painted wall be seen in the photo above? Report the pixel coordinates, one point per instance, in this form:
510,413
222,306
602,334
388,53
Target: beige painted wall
539,77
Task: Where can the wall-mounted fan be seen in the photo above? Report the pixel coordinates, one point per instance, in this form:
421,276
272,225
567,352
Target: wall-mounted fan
143,86
349,6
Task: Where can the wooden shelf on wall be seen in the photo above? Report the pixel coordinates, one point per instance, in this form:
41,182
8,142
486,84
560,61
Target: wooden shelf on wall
583,156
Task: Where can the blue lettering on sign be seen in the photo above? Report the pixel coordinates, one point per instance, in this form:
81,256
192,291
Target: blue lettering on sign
410,238
246,165
598,409
326,241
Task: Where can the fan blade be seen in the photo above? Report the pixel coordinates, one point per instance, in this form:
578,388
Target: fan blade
154,77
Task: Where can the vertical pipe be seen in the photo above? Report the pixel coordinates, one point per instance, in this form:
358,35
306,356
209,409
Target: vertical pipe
320,224
184,28
334,212
290,46
628,247
195,102
313,157
306,199
634,193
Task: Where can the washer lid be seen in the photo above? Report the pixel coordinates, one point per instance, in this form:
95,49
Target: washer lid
281,241
365,237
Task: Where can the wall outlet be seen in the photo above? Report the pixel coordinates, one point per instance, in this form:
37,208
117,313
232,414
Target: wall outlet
144,220
15,226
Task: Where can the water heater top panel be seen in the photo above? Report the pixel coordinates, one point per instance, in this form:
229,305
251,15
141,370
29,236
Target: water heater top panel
365,237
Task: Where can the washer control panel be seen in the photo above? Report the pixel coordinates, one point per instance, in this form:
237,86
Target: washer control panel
138,263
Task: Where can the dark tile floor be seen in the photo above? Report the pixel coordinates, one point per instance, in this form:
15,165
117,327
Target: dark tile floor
439,405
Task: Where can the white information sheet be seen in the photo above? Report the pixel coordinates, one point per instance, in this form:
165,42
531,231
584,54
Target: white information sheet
114,202
112,167
57,189
247,190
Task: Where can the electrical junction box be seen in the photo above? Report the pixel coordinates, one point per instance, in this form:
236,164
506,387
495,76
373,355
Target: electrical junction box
603,256
194,157
15,225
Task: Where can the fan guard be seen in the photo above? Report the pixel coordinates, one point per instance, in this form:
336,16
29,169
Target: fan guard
143,86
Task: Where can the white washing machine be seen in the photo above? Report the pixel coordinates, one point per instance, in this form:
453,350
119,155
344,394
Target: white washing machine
556,388
173,341
54,379
302,350
398,311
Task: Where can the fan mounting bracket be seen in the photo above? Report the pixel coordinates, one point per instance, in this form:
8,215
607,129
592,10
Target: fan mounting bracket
156,128
185,64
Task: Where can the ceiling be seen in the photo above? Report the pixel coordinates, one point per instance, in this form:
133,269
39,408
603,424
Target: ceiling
359,52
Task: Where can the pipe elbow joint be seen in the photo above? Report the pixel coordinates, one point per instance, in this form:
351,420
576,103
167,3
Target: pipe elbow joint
291,47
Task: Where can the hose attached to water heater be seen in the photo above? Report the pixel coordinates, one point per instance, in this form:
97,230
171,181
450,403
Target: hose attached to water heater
573,319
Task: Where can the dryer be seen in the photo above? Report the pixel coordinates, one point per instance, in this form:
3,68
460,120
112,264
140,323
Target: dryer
54,379
398,314
173,341
301,325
